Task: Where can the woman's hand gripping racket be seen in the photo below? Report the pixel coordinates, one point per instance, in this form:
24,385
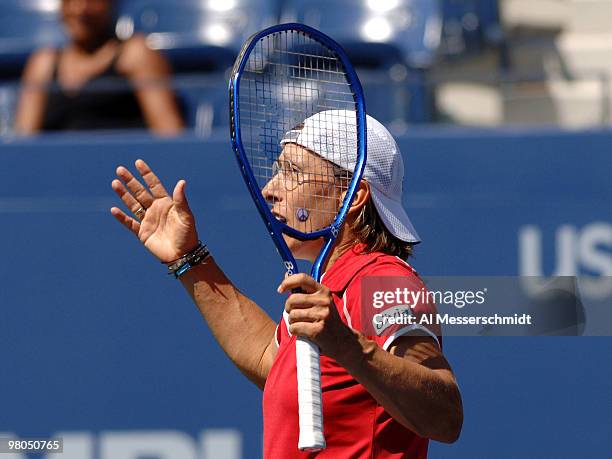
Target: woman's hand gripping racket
298,129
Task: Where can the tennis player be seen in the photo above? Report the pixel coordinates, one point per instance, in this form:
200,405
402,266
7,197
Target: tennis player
383,396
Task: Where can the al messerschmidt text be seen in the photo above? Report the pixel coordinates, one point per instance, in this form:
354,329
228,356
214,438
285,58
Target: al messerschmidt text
446,319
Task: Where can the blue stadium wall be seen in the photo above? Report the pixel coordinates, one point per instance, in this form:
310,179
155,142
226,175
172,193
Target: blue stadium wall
100,346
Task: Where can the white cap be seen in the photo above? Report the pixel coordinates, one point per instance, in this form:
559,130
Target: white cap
332,134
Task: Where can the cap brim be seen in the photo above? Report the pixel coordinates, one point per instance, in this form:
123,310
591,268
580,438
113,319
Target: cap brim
394,217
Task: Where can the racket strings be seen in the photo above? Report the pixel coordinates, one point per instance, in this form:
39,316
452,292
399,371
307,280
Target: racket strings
289,78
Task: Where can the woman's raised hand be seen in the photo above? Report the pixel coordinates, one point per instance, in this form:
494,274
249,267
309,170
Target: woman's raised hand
163,223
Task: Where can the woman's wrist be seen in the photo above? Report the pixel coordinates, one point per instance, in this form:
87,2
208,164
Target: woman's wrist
184,263
356,349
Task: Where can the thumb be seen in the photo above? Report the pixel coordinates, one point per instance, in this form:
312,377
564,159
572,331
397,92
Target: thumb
179,197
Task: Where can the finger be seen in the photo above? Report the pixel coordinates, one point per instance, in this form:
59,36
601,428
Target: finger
125,196
136,188
305,301
310,330
126,221
299,281
298,301
303,315
180,199
155,185
306,315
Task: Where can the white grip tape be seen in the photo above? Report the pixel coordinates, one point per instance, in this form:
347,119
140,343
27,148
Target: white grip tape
309,396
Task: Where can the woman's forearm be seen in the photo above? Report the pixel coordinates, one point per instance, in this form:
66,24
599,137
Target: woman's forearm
424,400
242,329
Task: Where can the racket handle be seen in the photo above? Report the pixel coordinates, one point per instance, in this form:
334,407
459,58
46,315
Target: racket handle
310,404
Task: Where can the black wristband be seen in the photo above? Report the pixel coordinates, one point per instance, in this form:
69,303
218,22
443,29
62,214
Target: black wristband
189,260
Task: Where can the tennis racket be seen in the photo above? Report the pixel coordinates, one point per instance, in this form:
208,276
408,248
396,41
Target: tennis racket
298,129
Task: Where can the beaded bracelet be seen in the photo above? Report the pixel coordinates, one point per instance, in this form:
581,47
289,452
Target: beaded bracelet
189,260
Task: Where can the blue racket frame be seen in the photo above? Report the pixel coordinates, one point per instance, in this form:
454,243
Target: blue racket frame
275,227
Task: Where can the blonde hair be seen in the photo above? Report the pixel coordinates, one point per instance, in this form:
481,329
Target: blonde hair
370,230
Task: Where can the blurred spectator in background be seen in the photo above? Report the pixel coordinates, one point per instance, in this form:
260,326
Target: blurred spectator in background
96,81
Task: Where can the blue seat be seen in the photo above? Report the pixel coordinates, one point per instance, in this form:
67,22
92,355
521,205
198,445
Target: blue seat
8,102
391,42
26,25
470,26
197,35
398,102
203,101
376,33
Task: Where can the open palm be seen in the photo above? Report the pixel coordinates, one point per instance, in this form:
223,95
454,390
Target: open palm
168,227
